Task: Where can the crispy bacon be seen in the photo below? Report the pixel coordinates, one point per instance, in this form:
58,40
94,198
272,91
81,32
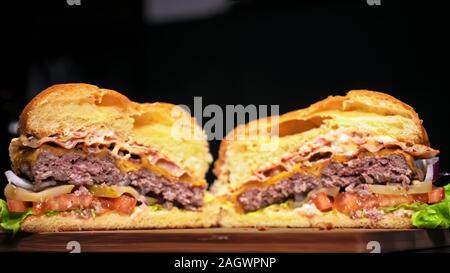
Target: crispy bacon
339,143
91,142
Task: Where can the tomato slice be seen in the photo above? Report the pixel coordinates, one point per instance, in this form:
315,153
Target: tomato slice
106,203
64,202
392,200
124,204
421,197
16,205
347,202
322,201
436,195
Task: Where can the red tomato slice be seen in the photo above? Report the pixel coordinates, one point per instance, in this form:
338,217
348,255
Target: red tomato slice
347,202
106,203
392,200
17,206
124,204
423,197
436,195
322,201
64,202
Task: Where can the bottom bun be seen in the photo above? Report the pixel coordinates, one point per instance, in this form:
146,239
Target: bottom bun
142,218
275,216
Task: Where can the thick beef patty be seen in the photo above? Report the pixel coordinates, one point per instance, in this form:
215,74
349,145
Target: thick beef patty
369,170
84,170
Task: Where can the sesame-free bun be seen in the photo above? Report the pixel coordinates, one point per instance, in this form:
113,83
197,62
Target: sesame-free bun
76,107
292,218
142,218
65,109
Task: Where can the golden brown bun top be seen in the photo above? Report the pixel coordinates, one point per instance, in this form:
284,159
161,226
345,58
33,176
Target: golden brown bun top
70,111
360,112
67,106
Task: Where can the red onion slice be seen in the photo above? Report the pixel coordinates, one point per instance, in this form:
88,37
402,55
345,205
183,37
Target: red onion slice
430,167
299,197
18,181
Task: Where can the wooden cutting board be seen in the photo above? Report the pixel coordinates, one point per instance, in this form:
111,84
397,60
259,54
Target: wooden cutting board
229,240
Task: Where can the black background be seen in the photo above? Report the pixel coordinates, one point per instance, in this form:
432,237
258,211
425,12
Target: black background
258,52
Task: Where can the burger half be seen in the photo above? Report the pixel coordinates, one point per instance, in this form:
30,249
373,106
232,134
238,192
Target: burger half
360,160
89,158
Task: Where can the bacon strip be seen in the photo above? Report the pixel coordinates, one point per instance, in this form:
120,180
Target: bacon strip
341,144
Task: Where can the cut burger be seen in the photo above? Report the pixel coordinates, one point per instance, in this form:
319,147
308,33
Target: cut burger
89,158
360,160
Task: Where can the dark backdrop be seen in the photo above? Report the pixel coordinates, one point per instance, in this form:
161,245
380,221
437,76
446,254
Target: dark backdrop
256,52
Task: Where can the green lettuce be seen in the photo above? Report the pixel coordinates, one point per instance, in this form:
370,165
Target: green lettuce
155,207
416,206
10,221
51,213
436,215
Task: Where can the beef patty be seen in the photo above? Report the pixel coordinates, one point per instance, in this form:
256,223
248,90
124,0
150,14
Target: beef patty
85,170
369,170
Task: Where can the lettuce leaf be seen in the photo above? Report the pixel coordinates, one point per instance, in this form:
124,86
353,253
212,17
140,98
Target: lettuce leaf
52,213
436,215
416,206
10,221
155,207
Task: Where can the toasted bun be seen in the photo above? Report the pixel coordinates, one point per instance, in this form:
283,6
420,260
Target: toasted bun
76,107
295,219
64,109
142,218
360,111
174,133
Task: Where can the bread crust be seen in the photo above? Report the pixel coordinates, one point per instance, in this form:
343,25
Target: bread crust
142,218
24,129
230,218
